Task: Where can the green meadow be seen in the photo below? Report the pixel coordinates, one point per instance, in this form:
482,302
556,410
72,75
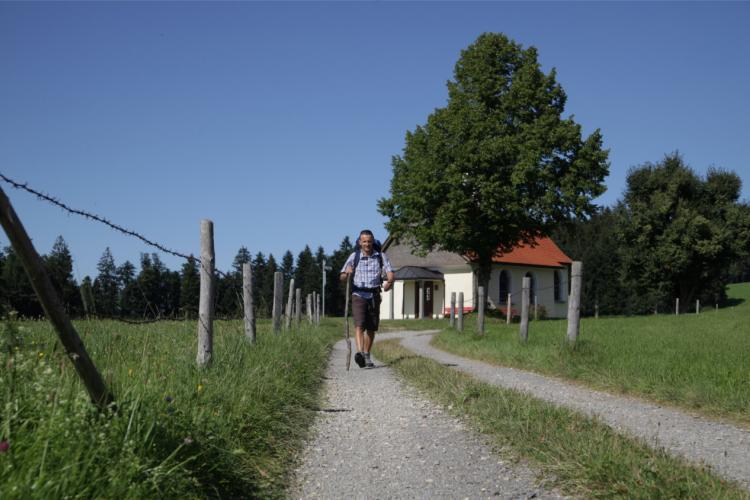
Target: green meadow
698,362
231,430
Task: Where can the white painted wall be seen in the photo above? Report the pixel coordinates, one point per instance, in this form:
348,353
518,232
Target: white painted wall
545,292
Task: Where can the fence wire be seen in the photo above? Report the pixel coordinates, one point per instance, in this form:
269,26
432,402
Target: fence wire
128,232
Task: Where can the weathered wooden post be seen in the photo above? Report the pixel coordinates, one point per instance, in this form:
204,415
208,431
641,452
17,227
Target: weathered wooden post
207,294
508,313
677,306
309,308
421,299
298,306
289,304
248,302
480,316
596,310
278,299
461,312
453,309
697,306
346,323
574,301
391,301
524,328
53,308
536,309
317,310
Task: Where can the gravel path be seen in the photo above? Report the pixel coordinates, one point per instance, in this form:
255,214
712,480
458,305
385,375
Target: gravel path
380,439
723,447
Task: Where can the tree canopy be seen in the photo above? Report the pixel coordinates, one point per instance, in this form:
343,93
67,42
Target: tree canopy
499,164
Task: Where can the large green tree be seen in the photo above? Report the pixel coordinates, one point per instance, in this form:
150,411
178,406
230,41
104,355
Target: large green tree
499,164
680,233
59,264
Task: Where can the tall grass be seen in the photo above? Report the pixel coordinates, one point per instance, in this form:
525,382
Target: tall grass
227,431
697,362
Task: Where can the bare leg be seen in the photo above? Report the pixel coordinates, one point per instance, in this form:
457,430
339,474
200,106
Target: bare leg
369,339
360,337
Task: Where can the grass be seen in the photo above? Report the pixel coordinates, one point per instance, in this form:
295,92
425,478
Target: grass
697,362
231,430
580,455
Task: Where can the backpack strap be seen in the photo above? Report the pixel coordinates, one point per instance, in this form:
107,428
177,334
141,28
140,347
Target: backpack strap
358,255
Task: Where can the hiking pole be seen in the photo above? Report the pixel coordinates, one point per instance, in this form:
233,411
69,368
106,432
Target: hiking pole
346,326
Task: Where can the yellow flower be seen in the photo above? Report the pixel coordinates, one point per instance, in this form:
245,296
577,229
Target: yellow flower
200,387
130,372
41,355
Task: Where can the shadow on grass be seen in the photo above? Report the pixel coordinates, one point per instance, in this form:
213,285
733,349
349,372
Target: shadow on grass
732,302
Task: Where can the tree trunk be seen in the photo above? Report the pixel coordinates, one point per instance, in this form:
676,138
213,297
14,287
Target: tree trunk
484,270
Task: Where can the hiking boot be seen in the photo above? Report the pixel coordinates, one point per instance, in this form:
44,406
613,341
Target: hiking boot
368,361
359,358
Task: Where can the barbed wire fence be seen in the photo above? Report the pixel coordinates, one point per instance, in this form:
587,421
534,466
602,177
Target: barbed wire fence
232,278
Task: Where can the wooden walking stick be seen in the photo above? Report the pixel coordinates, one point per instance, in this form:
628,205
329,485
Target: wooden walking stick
346,326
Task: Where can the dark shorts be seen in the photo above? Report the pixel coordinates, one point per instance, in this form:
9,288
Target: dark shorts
366,313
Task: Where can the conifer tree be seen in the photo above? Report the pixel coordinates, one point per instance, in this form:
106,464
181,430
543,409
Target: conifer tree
59,264
259,277
106,290
130,304
189,289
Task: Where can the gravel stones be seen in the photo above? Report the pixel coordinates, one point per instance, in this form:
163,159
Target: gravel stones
376,438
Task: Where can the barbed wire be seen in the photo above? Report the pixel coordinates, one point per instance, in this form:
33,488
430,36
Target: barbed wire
128,232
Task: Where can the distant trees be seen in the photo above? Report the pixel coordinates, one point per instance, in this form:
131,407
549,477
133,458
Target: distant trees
673,235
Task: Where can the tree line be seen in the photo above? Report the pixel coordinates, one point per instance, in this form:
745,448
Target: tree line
674,234
154,291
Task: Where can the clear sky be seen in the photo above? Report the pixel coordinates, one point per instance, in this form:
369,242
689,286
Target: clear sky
278,120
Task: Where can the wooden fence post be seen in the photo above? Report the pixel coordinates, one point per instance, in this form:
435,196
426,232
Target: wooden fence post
298,306
697,306
309,308
289,305
524,328
574,302
53,308
317,312
248,302
453,309
508,313
480,316
596,311
677,306
278,299
461,312
207,294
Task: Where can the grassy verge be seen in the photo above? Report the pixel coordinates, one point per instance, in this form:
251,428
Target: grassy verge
582,455
227,431
693,361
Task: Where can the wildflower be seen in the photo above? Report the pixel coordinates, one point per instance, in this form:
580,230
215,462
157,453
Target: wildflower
41,354
4,446
168,399
200,387
130,372
188,440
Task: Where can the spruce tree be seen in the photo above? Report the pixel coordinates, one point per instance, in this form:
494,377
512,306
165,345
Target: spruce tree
106,289
189,289
59,264
129,300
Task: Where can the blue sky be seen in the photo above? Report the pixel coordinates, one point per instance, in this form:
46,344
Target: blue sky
278,120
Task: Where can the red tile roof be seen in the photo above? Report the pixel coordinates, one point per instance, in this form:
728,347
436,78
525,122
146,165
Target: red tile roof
543,253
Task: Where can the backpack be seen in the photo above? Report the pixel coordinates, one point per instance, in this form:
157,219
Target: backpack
376,247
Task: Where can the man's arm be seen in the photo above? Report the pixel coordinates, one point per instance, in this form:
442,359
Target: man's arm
390,278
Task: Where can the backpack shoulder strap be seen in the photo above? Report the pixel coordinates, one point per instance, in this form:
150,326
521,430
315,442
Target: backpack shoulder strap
357,255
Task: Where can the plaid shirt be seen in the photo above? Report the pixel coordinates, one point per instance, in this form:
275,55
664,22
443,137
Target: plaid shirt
367,274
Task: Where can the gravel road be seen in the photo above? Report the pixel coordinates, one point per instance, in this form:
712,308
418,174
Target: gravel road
722,446
377,438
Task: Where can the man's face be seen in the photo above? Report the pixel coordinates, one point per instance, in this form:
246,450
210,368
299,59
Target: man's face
365,241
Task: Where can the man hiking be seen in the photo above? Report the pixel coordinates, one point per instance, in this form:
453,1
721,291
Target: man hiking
367,263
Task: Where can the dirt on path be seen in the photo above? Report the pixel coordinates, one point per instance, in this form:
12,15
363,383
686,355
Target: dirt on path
376,438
